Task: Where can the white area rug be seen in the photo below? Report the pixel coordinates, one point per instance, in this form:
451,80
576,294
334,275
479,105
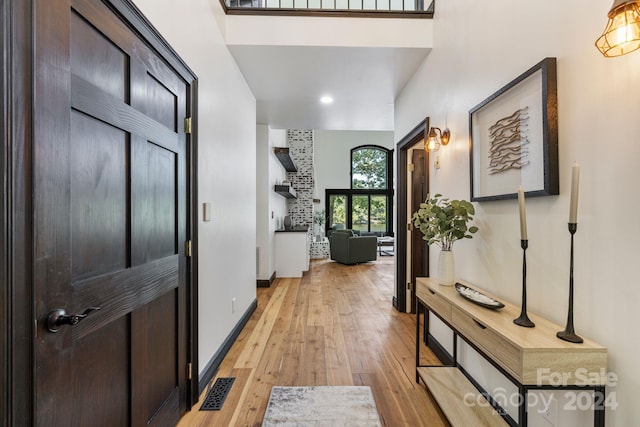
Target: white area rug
325,406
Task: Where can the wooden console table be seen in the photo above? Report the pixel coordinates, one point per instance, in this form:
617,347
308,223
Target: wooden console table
520,354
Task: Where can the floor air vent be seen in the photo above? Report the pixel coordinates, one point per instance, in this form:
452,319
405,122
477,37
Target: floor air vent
217,394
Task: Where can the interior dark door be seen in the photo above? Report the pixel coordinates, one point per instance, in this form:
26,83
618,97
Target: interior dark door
418,195
110,221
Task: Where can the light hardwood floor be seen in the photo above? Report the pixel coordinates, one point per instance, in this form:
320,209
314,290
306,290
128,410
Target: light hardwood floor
335,326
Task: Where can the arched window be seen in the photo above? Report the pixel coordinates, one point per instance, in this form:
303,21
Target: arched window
370,167
367,205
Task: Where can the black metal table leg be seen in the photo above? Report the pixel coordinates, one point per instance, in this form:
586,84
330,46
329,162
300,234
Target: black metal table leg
425,328
418,308
522,406
598,408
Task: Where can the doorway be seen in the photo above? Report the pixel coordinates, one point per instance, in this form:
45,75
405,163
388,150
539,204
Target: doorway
100,170
412,188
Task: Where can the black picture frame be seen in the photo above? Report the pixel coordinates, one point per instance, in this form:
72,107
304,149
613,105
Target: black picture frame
513,138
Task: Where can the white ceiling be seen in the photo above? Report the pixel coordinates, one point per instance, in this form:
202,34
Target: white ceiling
288,82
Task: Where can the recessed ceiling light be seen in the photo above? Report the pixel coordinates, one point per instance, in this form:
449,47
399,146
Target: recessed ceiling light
326,99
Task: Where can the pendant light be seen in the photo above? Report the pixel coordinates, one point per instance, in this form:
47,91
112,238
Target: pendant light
622,34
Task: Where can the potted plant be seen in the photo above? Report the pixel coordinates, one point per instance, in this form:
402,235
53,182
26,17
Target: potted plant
442,221
318,219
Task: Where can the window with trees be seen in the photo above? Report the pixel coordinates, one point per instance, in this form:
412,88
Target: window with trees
366,206
369,168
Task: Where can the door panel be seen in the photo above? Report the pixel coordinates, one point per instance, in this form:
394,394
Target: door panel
155,384
360,213
378,213
164,111
98,61
161,339
336,211
158,206
112,409
98,197
418,195
110,214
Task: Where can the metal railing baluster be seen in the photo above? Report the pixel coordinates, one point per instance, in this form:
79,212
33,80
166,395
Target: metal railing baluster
387,8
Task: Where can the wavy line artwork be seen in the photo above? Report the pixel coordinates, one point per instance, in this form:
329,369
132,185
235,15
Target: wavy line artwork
507,139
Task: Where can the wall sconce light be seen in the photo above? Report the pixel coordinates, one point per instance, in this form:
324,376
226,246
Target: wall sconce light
433,140
622,34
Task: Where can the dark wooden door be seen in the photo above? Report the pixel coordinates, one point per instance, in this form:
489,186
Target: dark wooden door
418,195
110,221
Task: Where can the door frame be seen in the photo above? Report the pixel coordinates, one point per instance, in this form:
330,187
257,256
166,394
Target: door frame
17,357
402,148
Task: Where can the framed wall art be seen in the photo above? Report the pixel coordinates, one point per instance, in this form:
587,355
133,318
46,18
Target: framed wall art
514,137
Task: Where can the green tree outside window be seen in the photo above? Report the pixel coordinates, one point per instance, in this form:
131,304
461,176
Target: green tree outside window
369,168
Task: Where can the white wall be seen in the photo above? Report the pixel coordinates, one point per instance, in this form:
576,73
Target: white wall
269,30
478,48
271,207
226,166
332,156
262,202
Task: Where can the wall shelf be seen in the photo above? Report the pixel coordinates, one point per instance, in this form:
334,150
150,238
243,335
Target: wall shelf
282,153
286,191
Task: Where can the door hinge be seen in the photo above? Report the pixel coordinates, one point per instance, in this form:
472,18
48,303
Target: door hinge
409,227
189,371
411,167
187,248
187,125
409,286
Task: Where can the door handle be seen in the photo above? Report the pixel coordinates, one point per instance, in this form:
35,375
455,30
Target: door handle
59,317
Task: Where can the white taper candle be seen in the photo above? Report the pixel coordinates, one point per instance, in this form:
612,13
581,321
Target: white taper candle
523,214
575,184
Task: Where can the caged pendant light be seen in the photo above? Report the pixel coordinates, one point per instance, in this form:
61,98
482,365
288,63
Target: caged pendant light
622,34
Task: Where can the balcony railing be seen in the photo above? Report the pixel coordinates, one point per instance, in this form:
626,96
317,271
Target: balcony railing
423,8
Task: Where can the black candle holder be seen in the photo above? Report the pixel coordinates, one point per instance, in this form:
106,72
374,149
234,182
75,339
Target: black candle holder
524,320
569,334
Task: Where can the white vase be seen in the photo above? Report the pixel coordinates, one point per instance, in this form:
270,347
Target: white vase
446,268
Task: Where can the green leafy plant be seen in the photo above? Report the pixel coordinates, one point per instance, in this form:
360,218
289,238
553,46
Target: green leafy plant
443,221
318,217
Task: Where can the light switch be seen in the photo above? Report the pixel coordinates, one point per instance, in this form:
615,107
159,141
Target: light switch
206,212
